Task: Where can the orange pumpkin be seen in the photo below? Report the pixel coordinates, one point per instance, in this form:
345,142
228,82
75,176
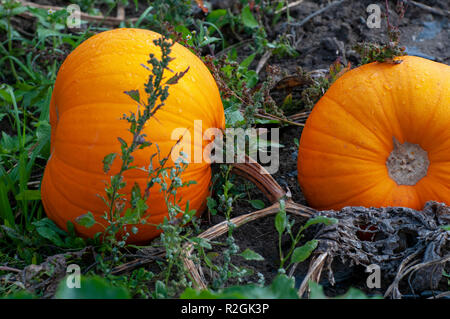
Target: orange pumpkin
85,110
380,136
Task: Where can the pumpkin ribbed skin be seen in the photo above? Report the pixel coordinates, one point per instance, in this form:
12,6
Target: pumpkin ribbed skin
86,106
350,133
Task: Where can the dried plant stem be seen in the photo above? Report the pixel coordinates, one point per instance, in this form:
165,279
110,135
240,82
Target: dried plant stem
314,272
84,16
404,270
257,174
222,228
289,6
437,11
6,268
312,15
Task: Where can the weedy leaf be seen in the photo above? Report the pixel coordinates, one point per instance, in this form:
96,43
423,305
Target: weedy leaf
134,94
247,61
302,253
122,142
282,287
51,235
212,204
107,161
249,254
446,227
29,194
257,203
202,242
321,220
86,220
91,288
135,194
280,221
248,19
316,292
174,79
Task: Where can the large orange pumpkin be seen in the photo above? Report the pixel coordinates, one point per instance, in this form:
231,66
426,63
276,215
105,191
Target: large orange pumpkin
380,136
86,106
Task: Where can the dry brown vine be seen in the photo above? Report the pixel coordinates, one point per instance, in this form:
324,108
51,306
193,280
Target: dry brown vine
405,242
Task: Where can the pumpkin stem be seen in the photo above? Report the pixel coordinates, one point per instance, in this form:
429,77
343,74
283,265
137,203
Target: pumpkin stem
408,163
257,174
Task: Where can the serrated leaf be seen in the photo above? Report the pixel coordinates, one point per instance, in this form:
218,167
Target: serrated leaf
249,254
302,253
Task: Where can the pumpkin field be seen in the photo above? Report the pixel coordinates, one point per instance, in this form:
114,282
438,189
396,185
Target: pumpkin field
235,149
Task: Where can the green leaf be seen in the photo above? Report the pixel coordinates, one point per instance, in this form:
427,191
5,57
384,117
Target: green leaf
91,288
247,61
280,221
187,35
321,220
251,79
282,287
107,161
7,142
209,40
134,94
257,203
51,235
43,131
46,228
29,194
202,242
249,254
218,17
248,19
86,220
233,117
6,213
20,295
316,292
302,253
446,227
211,204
